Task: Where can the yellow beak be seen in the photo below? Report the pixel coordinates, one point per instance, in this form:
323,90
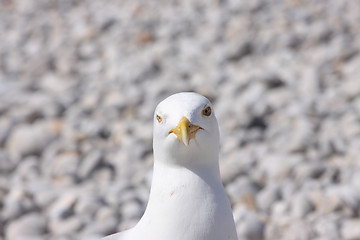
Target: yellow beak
185,130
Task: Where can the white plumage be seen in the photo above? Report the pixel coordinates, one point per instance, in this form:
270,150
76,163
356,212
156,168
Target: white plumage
187,199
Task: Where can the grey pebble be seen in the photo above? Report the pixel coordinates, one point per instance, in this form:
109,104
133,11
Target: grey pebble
267,197
63,207
87,205
131,210
30,139
17,202
301,205
251,227
328,227
101,228
310,170
66,226
5,129
350,229
89,164
241,189
29,226
7,163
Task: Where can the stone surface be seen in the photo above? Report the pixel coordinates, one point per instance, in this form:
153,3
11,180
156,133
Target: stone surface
350,229
30,139
79,81
301,205
266,198
251,227
29,226
242,189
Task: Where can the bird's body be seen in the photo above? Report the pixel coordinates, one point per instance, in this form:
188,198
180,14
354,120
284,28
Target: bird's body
187,199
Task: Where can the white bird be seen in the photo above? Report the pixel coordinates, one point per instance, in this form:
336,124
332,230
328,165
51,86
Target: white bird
187,199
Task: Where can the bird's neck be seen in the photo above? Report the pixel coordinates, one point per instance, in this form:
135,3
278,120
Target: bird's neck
179,193
170,175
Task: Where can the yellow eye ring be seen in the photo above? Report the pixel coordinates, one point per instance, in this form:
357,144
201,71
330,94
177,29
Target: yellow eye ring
158,118
206,111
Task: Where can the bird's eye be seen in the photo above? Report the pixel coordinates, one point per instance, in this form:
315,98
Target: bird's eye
207,111
158,118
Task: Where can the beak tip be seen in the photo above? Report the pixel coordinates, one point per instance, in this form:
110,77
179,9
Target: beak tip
185,131
185,140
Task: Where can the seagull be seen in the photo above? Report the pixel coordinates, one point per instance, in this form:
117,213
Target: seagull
187,199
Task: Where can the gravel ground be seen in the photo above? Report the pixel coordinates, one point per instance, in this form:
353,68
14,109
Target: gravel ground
79,81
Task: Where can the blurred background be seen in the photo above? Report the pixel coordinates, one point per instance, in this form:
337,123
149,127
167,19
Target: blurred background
79,81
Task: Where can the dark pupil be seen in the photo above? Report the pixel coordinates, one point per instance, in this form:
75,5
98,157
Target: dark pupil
207,111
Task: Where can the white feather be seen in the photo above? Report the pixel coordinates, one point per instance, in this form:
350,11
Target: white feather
187,199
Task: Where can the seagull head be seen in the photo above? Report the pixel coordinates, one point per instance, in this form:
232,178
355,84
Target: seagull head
185,129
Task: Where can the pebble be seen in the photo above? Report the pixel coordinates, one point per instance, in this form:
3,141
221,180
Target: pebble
7,164
100,229
88,205
328,228
16,203
63,168
105,213
27,139
236,163
311,170
274,166
326,203
251,227
89,164
131,210
242,189
301,137
350,229
28,170
302,230
267,197
280,211
63,207
5,129
29,226
66,226
301,206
